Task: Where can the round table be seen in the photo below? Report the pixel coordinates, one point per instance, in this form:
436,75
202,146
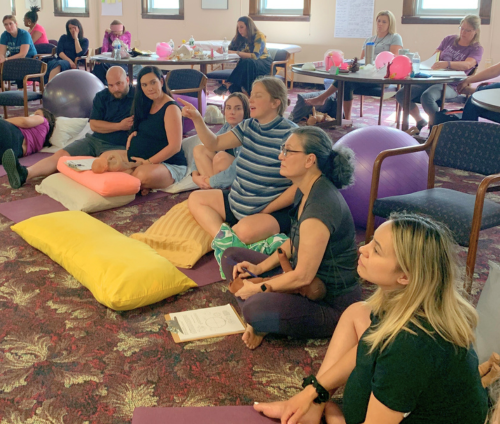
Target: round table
354,77
157,61
487,99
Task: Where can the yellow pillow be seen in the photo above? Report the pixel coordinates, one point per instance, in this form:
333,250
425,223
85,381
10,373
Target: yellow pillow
178,237
121,273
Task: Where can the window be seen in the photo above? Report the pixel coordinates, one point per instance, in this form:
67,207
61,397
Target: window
280,10
163,9
444,11
76,8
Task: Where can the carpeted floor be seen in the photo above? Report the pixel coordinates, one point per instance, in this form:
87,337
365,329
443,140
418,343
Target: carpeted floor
64,358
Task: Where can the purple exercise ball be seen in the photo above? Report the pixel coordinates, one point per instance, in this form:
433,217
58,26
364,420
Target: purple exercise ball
399,174
71,93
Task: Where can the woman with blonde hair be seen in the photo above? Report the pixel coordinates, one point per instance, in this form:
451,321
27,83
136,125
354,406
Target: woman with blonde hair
385,40
405,354
456,52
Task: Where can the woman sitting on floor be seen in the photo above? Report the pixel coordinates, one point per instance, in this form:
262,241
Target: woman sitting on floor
308,300
218,169
116,31
406,353
154,153
471,111
386,40
458,53
257,204
250,45
70,48
23,136
37,31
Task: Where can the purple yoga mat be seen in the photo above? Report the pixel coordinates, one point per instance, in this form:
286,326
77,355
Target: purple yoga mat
205,272
28,160
203,414
19,210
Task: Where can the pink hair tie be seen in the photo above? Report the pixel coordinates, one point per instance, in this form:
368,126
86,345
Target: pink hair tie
116,28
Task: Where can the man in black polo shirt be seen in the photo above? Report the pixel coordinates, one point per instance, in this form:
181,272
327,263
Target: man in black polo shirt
110,122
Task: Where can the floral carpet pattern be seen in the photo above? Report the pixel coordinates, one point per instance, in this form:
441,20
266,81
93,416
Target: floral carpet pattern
64,358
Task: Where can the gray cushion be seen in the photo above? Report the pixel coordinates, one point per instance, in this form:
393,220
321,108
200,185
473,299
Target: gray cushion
16,98
453,208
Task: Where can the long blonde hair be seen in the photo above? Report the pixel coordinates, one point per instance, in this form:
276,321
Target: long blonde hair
392,20
426,254
475,22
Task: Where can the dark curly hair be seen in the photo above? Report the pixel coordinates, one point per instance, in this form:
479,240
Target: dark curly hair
32,14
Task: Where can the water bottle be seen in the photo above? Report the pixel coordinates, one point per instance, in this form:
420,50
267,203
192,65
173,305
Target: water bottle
171,44
369,53
117,45
225,48
191,41
416,63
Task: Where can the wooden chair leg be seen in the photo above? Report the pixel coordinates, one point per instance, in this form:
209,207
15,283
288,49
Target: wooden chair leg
361,106
471,260
5,116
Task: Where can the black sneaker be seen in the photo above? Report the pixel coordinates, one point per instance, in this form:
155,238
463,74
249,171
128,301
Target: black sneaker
16,173
421,124
221,90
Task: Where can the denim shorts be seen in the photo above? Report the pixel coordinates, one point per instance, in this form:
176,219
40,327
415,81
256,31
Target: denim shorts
178,172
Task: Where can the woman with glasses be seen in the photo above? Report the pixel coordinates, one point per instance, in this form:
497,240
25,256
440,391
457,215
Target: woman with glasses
307,301
457,53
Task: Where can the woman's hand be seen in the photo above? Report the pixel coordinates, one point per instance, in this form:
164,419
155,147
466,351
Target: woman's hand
238,270
461,85
189,111
141,161
276,410
129,139
219,50
74,32
201,180
248,289
298,406
72,64
440,65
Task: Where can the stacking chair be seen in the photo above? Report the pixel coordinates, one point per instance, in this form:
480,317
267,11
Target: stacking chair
467,146
190,85
21,69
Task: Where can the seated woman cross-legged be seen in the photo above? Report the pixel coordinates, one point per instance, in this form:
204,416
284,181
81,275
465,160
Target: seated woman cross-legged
386,40
308,300
257,204
250,45
154,149
405,355
458,53
218,169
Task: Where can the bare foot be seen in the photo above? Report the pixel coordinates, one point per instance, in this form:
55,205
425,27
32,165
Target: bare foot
251,338
145,191
315,101
271,410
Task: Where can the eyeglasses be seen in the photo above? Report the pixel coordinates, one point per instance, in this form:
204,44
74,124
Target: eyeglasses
467,31
285,151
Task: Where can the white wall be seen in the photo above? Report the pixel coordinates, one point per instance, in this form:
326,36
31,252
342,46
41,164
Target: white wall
315,36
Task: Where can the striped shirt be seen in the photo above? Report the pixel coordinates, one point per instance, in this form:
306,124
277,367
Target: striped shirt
258,180
257,48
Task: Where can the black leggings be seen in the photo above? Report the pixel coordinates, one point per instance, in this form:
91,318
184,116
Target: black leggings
11,137
247,71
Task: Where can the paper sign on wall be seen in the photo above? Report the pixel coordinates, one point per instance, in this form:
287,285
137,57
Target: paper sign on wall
354,18
111,8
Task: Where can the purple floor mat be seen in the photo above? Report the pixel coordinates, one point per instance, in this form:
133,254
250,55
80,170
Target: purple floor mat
204,414
205,272
28,160
20,210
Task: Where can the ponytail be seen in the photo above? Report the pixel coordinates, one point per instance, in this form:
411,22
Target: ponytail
335,163
32,15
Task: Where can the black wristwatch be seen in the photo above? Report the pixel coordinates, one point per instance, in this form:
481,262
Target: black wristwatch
263,287
323,394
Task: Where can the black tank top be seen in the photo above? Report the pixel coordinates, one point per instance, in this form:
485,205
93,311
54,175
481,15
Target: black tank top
151,138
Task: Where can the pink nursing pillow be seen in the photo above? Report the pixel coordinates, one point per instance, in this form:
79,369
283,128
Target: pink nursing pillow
109,184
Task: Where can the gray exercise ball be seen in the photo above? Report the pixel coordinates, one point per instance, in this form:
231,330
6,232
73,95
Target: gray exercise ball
71,93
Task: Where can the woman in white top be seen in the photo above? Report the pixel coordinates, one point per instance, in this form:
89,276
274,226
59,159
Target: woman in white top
386,39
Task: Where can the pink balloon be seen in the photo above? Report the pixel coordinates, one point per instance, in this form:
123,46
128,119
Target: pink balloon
337,58
383,59
400,67
163,49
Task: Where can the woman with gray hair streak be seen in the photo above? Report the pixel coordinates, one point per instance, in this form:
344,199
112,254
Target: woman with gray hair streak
308,300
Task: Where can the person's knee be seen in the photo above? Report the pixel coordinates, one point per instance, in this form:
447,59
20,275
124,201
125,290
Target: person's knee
194,201
245,233
222,159
400,97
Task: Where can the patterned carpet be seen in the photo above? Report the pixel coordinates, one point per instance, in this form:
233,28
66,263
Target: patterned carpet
64,358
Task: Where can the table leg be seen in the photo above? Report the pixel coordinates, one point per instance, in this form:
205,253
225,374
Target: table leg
292,62
340,102
203,68
406,107
131,72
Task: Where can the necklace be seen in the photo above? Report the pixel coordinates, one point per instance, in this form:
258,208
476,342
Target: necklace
378,42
